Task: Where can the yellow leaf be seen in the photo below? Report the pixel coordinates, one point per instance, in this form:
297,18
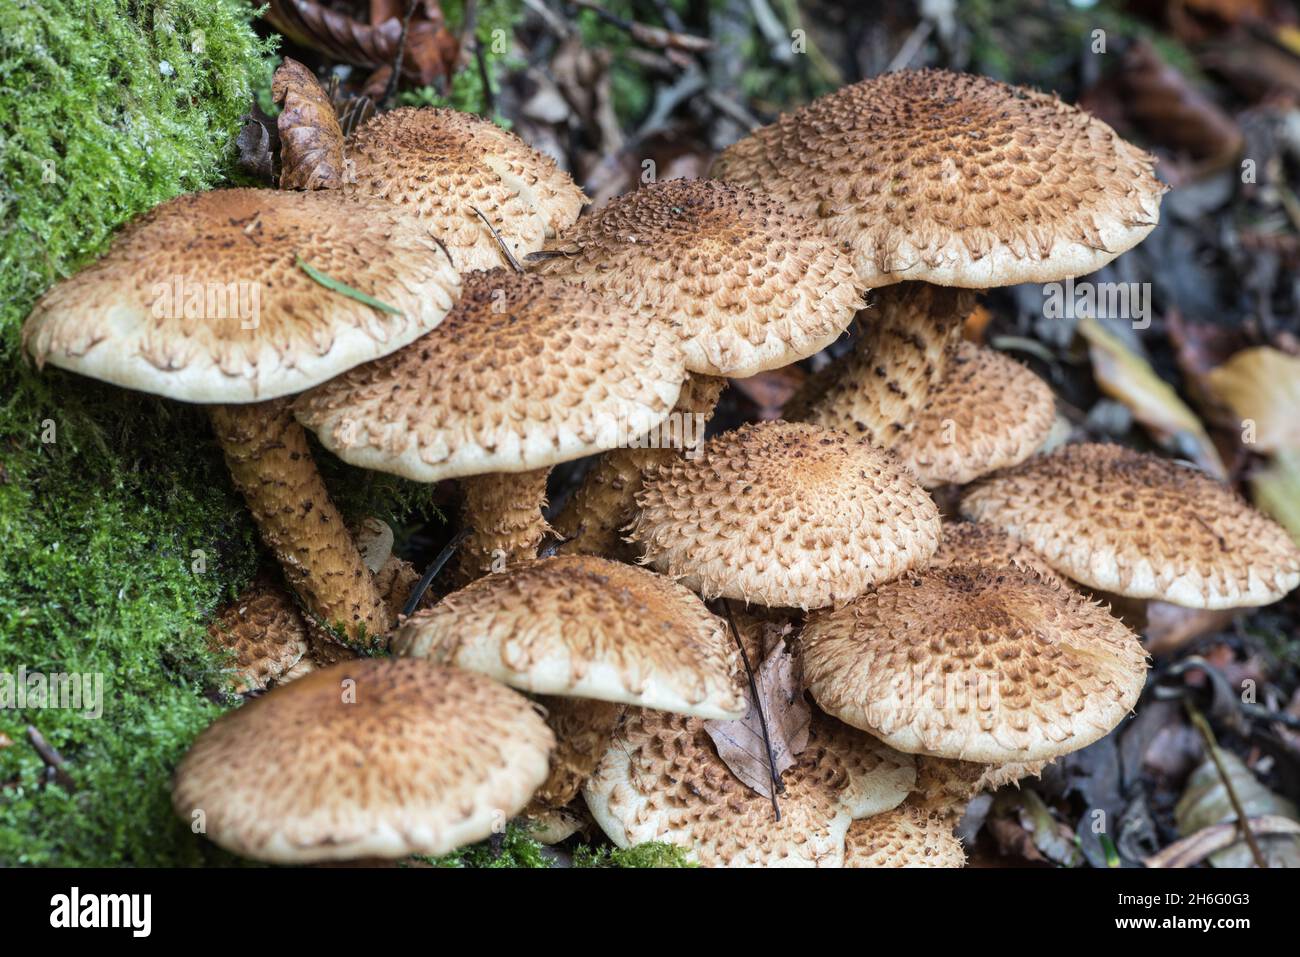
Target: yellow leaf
1125,376
1276,490
1262,386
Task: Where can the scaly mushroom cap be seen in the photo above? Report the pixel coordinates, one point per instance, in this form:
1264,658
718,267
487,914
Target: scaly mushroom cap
369,758
264,632
526,372
988,412
662,780
785,514
440,165
749,286
946,787
979,543
1140,526
203,299
975,664
954,179
908,836
585,627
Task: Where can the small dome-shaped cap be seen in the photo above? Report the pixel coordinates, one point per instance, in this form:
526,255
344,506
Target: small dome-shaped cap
988,412
264,632
785,514
1141,526
586,627
975,664
662,780
954,179
441,165
527,371
908,836
206,298
979,543
369,758
749,286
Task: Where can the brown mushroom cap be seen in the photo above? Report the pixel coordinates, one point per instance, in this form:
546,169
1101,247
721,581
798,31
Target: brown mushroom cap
908,836
585,627
203,299
1141,526
785,514
946,787
525,372
979,543
440,165
988,412
368,758
975,664
264,631
749,286
954,179
662,780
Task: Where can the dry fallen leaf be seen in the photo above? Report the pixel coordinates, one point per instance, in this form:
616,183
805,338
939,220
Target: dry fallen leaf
1192,850
740,743
311,141
1262,386
1276,490
1124,375
1205,802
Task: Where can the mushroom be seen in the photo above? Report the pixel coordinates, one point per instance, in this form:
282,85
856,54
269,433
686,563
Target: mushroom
907,836
748,286
955,180
951,180
785,515
264,634
208,299
526,372
979,543
988,412
662,780
876,391
473,185
976,664
375,758
1140,526
593,633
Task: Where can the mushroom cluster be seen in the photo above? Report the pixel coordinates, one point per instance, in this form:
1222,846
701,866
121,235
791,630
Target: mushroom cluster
449,314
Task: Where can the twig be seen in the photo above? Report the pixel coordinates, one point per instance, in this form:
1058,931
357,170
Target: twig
1243,822
505,250
548,16
390,89
725,104
431,572
650,36
911,46
758,704
53,760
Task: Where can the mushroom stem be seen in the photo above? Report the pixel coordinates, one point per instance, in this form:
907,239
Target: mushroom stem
504,512
271,464
606,499
583,730
901,353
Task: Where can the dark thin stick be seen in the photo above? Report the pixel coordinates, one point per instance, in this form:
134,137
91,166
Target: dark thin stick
1243,822
390,88
762,719
443,247
489,99
431,572
53,760
505,250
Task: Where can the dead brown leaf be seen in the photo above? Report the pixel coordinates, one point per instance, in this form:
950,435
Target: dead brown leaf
311,141
1192,850
740,744
1262,386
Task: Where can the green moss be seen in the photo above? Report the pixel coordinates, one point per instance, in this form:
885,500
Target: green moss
107,499
649,854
